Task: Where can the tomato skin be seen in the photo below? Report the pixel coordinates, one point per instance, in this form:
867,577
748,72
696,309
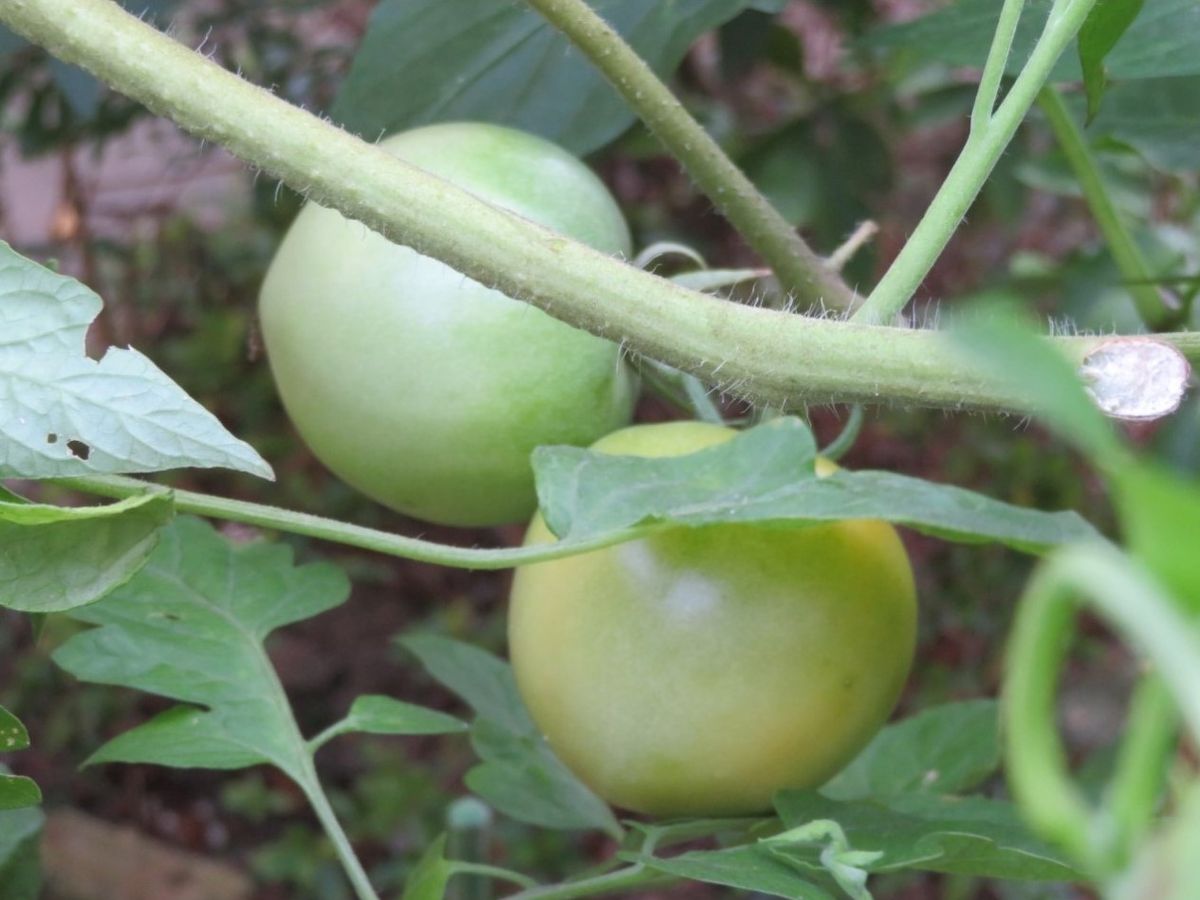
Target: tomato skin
698,671
422,388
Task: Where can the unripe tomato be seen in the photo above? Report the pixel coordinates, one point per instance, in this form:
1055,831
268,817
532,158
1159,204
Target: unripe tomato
420,387
700,670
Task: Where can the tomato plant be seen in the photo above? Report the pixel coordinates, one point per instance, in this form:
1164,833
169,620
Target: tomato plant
422,388
700,671
709,621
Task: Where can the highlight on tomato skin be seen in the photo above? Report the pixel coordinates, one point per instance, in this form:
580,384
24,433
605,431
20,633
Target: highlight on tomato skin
426,390
701,670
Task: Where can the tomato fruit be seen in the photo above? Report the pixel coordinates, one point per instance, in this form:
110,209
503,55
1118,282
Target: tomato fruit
700,670
420,387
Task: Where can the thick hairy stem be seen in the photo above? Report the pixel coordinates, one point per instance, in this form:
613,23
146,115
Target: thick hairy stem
798,268
765,355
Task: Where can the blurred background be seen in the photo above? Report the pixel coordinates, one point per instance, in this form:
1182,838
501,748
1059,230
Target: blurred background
835,125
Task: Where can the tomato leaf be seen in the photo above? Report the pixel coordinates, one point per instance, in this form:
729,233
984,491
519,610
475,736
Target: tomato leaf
56,558
751,867
461,60
190,626
385,715
63,414
16,792
766,475
960,835
20,871
429,877
1163,41
519,775
948,749
1105,25
1157,117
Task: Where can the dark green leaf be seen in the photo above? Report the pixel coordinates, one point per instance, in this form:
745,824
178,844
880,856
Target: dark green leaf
961,835
1105,25
20,871
56,558
1163,41
519,775
1159,118
440,60
749,868
765,475
948,749
190,626
429,877
16,792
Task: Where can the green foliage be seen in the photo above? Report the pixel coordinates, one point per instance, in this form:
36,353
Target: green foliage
55,558
16,792
62,413
190,627
20,873
1100,33
766,475
446,60
519,774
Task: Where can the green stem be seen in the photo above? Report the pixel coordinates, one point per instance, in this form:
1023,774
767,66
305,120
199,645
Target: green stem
1145,757
333,828
767,356
1152,304
979,156
287,520
838,447
626,879
1037,765
993,69
799,269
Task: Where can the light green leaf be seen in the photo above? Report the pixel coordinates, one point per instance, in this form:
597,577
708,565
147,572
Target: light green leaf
63,414
452,60
56,558
385,715
751,867
766,475
519,774
947,749
431,874
190,626
962,835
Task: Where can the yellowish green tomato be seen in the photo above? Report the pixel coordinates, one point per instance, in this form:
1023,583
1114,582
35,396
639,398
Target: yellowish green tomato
420,387
700,670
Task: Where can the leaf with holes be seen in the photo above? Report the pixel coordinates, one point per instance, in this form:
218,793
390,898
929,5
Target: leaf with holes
63,414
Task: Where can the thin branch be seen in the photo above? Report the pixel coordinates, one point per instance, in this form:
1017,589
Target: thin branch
972,168
798,268
1153,304
993,69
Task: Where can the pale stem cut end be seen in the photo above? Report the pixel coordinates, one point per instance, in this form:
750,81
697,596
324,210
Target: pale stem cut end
1136,378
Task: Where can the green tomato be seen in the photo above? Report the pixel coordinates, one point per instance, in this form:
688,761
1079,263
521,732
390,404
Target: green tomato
698,671
420,387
